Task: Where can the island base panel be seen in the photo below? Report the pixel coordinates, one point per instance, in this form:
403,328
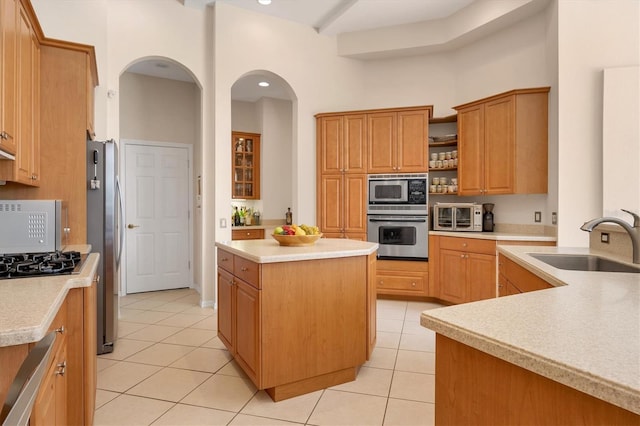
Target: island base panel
473,387
312,384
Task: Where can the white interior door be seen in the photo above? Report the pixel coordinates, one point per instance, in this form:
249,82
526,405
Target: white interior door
156,217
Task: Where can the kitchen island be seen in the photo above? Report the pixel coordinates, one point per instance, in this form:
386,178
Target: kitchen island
565,355
297,319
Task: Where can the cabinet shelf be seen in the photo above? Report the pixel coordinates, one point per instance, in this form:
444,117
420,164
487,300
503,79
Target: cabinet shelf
452,142
448,119
442,169
443,193
246,166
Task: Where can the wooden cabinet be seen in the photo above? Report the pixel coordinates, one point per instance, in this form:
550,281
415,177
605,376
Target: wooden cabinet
247,234
342,206
8,68
462,269
398,141
50,407
293,336
503,144
239,311
342,144
350,145
402,278
245,167
514,279
25,168
342,180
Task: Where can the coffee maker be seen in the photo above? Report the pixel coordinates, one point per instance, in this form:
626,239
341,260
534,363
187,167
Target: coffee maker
487,217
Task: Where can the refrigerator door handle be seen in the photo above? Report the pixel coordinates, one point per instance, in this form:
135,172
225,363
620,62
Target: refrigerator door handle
120,224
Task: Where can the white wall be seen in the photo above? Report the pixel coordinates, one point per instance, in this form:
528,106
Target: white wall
277,157
592,35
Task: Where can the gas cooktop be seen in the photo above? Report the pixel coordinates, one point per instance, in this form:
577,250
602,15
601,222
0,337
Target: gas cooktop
25,265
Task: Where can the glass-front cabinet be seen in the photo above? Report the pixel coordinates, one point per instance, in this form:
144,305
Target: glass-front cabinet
245,168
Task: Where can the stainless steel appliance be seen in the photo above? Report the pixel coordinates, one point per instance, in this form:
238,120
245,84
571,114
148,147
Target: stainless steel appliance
104,233
397,215
29,226
466,217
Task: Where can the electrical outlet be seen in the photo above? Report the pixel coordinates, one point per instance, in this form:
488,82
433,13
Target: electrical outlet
537,217
604,237
554,218
223,223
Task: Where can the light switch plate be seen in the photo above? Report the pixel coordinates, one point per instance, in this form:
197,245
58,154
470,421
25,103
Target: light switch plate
537,217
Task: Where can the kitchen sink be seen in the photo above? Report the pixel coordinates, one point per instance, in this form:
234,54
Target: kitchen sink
584,262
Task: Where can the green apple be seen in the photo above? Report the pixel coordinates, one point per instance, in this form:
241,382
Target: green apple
278,230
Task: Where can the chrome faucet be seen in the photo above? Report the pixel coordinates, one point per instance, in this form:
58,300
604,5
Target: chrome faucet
634,232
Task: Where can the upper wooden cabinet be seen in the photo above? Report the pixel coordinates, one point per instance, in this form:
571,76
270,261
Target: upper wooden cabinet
245,168
21,105
342,143
8,66
503,143
398,141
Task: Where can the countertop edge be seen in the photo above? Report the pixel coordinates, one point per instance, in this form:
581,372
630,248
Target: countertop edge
34,332
495,236
611,392
261,251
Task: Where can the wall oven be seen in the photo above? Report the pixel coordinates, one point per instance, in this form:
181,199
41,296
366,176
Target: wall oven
397,215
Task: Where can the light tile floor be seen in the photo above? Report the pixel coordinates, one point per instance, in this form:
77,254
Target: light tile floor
169,368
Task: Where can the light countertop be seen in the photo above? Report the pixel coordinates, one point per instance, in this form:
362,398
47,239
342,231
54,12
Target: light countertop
29,305
497,236
584,333
269,251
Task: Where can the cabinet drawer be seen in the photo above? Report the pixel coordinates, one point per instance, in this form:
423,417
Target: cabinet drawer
471,245
247,271
247,234
407,282
225,260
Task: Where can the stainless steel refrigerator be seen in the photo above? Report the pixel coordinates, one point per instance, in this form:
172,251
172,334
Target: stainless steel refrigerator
104,233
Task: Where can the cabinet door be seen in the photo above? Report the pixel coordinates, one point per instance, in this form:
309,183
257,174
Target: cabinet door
355,199
226,310
481,276
382,132
248,329
8,69
471,150
355,144
499,145
330,134
452,267
331,204
25,99
245,167
413,141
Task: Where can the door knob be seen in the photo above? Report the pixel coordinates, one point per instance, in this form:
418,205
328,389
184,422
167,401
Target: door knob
131,226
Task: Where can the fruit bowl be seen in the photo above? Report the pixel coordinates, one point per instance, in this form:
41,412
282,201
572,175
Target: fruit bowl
296,240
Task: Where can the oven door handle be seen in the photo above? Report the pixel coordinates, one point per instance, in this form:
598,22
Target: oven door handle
403,220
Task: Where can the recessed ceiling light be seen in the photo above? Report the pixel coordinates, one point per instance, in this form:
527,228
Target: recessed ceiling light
263,84
264,2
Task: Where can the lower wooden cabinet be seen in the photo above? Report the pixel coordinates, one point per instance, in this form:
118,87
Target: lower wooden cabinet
402,278
247,234
50,407
462,269
514,279
465,269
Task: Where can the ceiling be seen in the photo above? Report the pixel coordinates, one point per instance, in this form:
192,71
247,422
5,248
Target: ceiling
332,17
351,18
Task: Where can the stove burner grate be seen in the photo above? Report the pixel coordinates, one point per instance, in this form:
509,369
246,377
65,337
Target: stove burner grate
22,265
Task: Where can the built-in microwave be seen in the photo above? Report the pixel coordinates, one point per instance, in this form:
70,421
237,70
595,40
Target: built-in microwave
457,217
398,193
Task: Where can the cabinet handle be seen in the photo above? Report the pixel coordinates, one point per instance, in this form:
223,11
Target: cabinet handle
62,367
462,256
248,234
243,269
413,284
60,330
464,244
